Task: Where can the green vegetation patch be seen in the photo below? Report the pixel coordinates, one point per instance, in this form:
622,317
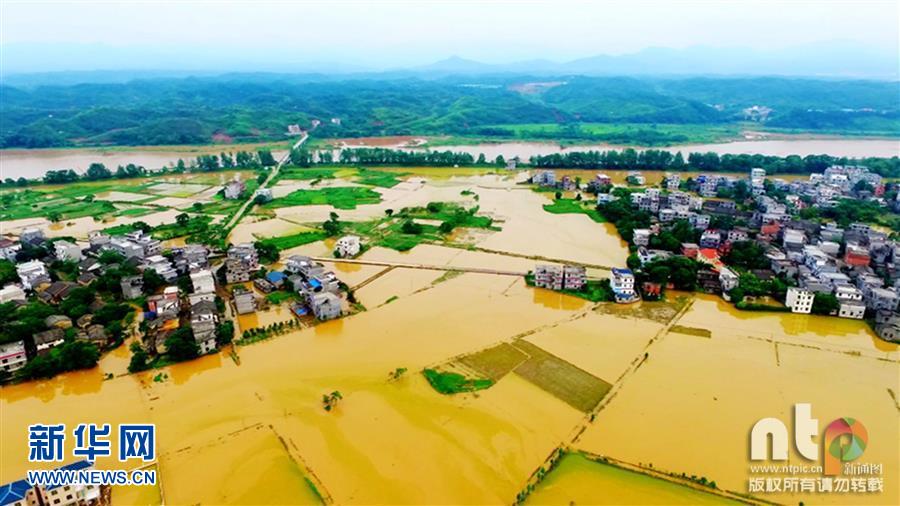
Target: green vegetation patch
279,297
306,174
339,197
294,240
404,230
578,478
378,178
55,206
691,331
496,361
572,206
568,383
449,383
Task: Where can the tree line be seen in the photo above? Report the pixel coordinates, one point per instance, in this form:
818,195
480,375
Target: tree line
654,159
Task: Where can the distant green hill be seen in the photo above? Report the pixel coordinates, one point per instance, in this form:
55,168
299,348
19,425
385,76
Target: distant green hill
259,108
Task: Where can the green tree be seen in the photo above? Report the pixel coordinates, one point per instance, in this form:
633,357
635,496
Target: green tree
152,280
97,171
224,332
139,359
180,345
8,272
825,304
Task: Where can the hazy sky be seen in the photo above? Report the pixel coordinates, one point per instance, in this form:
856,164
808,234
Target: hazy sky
54,35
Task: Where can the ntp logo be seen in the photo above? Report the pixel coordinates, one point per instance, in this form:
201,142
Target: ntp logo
845,439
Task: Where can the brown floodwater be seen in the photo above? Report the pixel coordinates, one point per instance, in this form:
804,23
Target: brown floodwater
33,163
226,422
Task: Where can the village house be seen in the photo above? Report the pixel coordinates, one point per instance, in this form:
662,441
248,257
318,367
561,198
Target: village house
190,258
799,300
203,281
347,246
641,237
244,301
165,305
622,284
9,249
67,251
852,310
12,356
574,277
882,298
59,321
203,324
234,189
548,276
544,178
240,263
326,305
33,236
148,244
162,266
48,339
11,293
33,274
132,287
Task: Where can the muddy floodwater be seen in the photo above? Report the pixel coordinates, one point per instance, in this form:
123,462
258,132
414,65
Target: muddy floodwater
658,389
33,163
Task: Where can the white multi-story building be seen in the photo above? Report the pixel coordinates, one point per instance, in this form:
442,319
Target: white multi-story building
853,310
162,266
9,249
799,300
11,292
12,356
203,282
66,250
347,246
33,274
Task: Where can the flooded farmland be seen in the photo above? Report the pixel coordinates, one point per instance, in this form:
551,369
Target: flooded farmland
597,380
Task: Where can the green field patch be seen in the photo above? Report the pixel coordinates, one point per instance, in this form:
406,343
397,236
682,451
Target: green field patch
577,478
306,174
378,178
691,331
294,240
338,197
572,206
568,383
449,383
496,361
136,211
279,297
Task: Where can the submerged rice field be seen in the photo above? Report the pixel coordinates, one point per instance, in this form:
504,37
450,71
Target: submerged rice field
634,397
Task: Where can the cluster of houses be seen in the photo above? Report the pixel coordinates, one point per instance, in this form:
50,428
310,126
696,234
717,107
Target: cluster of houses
23,493
851,264
547,179
319,288
560,277
167,311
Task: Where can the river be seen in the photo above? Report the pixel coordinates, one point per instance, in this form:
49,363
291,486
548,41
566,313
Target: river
35,162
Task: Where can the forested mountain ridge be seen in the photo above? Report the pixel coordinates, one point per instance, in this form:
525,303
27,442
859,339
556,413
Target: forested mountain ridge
259,107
